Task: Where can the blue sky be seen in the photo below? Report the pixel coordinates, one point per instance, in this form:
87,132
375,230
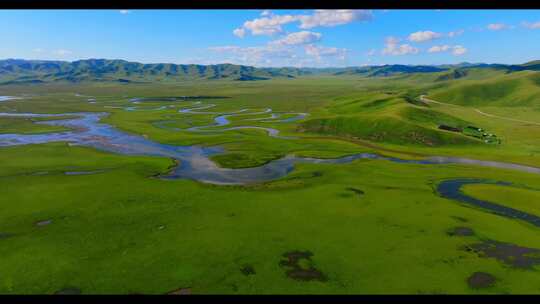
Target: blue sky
315,38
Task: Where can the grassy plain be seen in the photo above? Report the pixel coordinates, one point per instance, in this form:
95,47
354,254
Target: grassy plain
120,230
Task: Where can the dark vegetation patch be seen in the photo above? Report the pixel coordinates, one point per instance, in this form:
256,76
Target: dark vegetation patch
455,74
251,78
180,291
460,231
68,291
5,235
300,266
355,190
480,280
413,99
510,254
376,103
450,128
247,270
459,218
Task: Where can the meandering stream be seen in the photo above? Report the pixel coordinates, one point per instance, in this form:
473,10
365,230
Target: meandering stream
87,130
451,189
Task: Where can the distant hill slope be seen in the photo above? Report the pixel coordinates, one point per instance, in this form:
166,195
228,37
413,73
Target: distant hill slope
509,89
389,70
18,71
34,71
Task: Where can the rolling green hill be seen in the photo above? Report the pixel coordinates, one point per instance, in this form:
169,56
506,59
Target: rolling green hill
19,71
389,119
509,89
14,71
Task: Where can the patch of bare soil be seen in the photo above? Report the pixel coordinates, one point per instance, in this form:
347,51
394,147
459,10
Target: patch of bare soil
460,231
300,266
510,254
480,280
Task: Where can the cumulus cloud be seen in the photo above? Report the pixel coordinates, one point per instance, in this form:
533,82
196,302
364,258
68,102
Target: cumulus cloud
438,48
532,26
497,26
422,36
240,32
392,47
37,50
333,17
455,33
458,50
371,52
273,54
271,24
124,12
322,51
302,37
254,55
268,25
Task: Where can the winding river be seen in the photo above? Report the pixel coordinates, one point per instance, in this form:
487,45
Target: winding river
6,98
451,189
87,130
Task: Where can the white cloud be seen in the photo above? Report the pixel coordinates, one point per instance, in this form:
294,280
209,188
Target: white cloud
456,50
37,50
532,26
459,50
322,51
268,25
124,12
302,37
455,33
273,54
255,55
392,47
333,17
62,52
271,24
497,26
422,36
438,48
239,32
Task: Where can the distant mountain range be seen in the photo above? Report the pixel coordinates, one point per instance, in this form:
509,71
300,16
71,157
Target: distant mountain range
19,71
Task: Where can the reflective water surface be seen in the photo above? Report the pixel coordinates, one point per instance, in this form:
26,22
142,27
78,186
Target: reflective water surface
87,130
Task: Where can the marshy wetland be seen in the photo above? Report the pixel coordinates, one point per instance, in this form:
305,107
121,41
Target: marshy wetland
311,185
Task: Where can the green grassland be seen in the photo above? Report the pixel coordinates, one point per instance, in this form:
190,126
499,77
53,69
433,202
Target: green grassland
121,230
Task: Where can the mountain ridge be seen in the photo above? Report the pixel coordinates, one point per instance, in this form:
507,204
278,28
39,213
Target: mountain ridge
22,71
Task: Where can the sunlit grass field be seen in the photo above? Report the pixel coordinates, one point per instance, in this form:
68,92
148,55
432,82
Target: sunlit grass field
372,226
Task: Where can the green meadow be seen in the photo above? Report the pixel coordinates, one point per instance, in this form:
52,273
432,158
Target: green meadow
366,227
